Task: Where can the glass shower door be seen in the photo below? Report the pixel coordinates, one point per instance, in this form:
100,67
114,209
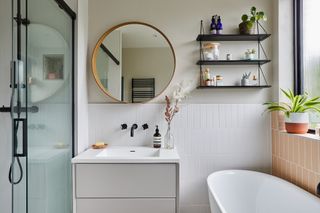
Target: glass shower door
50,131
42,106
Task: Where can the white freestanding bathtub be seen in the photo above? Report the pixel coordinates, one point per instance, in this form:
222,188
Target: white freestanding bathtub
241,191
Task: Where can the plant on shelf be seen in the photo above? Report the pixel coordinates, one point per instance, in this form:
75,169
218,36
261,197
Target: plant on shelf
296,111
250,54
245,79
247,26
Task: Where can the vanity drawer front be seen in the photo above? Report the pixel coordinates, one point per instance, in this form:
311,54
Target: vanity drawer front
163,205
125,180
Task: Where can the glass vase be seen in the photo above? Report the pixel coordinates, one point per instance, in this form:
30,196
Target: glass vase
169,139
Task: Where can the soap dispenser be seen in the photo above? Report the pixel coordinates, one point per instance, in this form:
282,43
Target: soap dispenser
157,138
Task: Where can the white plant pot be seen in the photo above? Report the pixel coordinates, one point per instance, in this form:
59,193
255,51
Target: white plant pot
245,82
297,118
297,123
250,56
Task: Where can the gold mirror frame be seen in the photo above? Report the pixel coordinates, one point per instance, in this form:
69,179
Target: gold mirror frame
95,52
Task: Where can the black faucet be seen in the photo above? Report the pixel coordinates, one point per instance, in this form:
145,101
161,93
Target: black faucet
133,127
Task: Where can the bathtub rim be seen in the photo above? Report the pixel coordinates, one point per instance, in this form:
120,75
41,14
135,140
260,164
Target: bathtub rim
275,178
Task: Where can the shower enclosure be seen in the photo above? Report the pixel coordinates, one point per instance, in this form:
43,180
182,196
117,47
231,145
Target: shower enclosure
42,106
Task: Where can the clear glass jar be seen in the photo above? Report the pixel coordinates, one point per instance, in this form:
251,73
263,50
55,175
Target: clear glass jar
211,51
169,139
216,51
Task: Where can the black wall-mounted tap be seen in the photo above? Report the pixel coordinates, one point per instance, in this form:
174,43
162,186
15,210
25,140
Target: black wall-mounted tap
133,127
124,126
145,126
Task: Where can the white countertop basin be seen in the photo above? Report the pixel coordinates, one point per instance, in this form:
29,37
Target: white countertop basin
127,154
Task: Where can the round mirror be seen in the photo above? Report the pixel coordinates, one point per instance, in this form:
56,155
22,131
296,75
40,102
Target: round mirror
133,62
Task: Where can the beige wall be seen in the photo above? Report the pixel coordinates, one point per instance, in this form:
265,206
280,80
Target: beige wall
180,21
151,66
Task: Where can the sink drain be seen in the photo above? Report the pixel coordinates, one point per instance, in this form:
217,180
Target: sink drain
132,150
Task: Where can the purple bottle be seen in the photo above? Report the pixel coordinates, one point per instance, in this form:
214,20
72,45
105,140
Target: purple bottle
219,26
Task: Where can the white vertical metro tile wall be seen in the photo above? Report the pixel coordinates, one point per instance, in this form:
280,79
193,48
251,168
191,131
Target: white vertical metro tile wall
209,137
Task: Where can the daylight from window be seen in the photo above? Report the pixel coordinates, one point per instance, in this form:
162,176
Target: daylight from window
311,50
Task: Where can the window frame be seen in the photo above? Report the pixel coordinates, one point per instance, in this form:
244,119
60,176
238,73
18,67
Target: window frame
298,46
298,49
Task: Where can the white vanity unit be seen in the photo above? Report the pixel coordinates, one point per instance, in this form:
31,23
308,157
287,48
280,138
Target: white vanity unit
122,179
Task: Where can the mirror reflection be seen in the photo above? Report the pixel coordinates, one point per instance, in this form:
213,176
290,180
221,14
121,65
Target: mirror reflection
133,62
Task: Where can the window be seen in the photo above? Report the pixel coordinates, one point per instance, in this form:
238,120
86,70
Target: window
307,50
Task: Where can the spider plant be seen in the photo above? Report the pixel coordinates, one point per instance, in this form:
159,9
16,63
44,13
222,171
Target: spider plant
297,104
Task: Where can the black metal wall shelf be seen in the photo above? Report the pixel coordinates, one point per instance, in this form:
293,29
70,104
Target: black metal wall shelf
234,87
202,38
232,37
233,62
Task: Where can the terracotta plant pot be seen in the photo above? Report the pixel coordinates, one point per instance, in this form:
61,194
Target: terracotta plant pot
297,123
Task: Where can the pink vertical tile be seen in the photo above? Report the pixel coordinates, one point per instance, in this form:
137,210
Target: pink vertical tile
299,176
301,152
291,148
281,122
273,142
281,145
294,173
296,150
277,149
312,182
308,151
315,156
274,120
286,147
305,179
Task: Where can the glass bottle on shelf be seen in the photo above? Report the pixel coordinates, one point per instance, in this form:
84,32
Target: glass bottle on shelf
213,26
219,26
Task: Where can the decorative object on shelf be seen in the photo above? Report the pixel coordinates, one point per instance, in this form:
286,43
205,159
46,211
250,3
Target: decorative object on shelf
215,50
211,51
172,108
254,81
219,80
229,57
260,58
208,51
206,77
213,25
219,26
296,111
248,24
245,81
250,54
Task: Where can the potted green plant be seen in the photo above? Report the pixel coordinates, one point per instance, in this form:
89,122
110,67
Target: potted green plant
247,26
250,54
296,111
